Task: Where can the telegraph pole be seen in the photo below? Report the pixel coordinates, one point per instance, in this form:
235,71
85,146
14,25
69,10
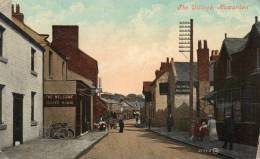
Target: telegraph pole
186,45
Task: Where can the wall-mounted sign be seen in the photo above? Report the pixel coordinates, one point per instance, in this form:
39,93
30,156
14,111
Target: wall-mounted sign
59,100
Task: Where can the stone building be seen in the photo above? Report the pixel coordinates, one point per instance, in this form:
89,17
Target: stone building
65,101
159,91
21,82
236,85
80,67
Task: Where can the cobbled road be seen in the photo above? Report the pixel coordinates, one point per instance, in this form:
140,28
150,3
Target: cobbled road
137,143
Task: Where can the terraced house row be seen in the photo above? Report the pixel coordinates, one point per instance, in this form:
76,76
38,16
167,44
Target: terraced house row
43,82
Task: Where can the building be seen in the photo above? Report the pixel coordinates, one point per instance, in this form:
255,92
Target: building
205,68
21,82
80,67
181,95
237,84
159,92
147,111
65,101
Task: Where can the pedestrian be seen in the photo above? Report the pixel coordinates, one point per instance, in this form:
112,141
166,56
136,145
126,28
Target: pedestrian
136,118
203,130
121,125
213,135
169,123
228,132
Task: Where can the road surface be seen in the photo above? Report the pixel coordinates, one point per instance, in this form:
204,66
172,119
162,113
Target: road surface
137,143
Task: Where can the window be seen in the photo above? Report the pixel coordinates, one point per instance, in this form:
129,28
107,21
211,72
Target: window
1,40
1,102
164,88
258,57
63,70
32,105
228,68
50,64
32,59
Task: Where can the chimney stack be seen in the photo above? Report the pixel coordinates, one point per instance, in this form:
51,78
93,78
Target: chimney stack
17,13
205,44
214,55
171,60
167,60
203,61
199,45
256,19
65,37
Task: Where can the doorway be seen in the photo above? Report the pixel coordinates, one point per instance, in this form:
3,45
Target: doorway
17,118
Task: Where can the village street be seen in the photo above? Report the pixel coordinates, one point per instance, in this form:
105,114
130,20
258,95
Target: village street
136,143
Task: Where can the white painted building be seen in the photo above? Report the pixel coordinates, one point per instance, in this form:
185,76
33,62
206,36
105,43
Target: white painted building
21,82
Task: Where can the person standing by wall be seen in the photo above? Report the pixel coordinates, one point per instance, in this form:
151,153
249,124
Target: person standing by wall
213,135
228,132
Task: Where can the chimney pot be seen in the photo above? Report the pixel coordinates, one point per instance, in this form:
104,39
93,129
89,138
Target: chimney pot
199,44
17,8
256,19
12,9
205,44
171,59
167,60
225,35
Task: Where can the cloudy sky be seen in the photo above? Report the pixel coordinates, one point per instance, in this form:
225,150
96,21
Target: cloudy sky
130,38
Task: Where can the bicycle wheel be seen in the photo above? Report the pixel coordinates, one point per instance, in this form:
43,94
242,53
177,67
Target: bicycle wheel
70,133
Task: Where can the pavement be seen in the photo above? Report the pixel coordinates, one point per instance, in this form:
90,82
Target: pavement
54,148
137,143
239,151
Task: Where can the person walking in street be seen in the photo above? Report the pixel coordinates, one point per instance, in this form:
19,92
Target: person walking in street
121,125
203,130
228,132
213,135
169,123
136,118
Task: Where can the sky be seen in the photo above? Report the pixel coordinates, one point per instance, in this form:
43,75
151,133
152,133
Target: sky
130,38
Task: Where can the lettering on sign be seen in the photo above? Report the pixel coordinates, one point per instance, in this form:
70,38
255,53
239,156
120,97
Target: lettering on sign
52,100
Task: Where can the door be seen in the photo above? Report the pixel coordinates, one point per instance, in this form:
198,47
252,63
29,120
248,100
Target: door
17,118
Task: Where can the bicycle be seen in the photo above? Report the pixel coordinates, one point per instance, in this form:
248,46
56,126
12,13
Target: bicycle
59,131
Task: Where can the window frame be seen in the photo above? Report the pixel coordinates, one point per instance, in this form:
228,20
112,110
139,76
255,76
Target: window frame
258,58
33,94
33,51
1,103
2,29
229,68
50,63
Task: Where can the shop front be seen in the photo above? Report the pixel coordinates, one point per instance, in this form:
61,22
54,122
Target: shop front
68,102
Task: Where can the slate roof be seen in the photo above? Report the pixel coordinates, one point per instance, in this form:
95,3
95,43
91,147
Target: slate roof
182,71
234,45
20,31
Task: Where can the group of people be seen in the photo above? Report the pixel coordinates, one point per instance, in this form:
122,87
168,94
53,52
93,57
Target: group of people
203,128
111,123
207,129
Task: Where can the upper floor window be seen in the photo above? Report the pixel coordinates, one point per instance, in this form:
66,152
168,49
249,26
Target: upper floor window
32,59
63,70
1,40
50,63
258,57
228,68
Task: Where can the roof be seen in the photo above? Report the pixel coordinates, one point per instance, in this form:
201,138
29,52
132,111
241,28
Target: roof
109,101
147,86
183,71
20,31
257,25
234,45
